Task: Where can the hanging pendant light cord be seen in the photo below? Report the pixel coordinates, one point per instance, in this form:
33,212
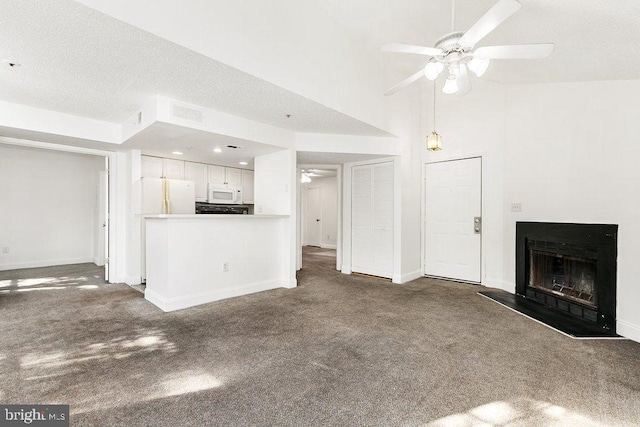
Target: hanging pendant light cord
453,15
434,105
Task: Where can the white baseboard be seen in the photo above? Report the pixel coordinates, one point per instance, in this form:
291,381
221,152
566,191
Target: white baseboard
505,285
98,262
408,277
628,330
325,246
46,263
345,270
132,280
289,284
173,304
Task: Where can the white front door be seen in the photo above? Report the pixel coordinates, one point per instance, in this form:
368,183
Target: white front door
313,217
453,222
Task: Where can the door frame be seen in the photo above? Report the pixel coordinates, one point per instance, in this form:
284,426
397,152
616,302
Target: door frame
300,208
423,219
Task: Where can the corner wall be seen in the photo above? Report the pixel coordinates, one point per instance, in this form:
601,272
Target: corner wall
572,155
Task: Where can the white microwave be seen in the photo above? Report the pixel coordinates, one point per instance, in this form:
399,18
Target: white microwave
226,195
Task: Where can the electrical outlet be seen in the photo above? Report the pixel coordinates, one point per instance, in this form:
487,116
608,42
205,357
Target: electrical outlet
516,207
5,250
259,208
225,266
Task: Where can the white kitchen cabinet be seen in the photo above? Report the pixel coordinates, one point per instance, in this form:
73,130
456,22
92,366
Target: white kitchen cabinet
197,172
173,169
234,177
217,175
247,186
222,176
157,167
151,167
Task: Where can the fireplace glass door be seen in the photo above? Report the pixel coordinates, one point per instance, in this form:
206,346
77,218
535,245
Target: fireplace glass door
564,275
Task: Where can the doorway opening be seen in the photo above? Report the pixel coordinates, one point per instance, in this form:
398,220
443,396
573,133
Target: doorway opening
74,183
319,210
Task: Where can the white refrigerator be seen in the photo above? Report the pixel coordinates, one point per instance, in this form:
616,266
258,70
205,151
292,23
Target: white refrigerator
168,196
163,196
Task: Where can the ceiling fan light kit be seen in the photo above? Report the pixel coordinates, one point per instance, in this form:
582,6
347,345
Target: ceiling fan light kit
454,51
450,85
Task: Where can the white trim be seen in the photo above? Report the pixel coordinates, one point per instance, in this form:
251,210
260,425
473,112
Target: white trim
328,246
505,285
46,263
412,275
551,327
628,330
132,280
172,304
288,284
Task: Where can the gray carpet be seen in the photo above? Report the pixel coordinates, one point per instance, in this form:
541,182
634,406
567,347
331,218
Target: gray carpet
338,350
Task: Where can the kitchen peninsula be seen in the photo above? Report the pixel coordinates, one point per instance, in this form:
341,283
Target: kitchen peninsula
196,259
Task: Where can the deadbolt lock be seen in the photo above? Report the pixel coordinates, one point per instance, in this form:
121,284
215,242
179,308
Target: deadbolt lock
477,225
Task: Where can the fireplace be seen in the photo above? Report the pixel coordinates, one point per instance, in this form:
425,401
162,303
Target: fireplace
569,269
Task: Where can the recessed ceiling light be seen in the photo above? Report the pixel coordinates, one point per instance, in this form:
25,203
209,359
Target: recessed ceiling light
177,153
10,63
244,163
217,150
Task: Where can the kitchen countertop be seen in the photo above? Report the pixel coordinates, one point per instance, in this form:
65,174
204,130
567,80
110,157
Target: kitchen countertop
208,217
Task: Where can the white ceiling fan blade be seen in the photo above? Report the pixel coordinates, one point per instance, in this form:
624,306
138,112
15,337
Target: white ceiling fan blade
405,83
489,21
408,48
523,51
464,83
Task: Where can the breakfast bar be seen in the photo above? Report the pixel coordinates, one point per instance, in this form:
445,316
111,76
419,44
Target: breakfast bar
197,259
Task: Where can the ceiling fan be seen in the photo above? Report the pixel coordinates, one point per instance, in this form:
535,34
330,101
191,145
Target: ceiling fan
454,51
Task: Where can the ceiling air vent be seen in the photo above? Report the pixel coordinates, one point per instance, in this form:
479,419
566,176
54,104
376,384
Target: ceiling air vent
187,113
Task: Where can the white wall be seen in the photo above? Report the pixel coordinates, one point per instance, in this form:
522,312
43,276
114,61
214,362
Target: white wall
275,194
328,188
273,184
49,202
472,126
571,155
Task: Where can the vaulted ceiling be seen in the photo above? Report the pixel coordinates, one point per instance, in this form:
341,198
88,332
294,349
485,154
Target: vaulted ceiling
83,62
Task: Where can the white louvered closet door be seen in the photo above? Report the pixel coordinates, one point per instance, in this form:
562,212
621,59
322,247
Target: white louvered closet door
372,219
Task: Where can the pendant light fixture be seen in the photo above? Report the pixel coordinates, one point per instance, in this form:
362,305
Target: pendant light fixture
434,141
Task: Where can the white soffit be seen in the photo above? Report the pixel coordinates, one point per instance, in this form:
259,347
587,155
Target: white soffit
594,39
162,139
79,61
318,158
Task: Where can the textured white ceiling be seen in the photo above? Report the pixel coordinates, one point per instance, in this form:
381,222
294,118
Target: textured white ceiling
595,39
79,61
